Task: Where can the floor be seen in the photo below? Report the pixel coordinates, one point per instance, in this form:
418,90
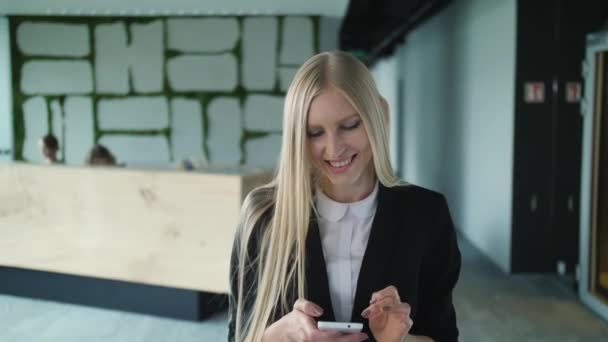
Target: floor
491,306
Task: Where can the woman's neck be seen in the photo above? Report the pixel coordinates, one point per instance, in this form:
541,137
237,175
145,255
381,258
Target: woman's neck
350,193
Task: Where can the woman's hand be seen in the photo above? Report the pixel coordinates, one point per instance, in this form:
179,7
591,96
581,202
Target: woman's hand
300,325
389,318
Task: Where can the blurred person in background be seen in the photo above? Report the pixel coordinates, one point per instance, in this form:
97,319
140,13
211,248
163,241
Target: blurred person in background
100,156
49,146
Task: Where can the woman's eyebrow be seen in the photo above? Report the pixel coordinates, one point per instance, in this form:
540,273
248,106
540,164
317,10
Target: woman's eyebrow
339,121
349,117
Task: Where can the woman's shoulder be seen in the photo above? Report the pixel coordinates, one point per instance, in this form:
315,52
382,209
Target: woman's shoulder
415,194
260,200
419,205
257,208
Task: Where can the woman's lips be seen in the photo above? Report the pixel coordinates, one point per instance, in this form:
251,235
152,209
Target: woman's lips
340,166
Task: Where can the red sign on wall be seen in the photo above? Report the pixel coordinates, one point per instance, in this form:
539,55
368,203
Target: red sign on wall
534,92
573,92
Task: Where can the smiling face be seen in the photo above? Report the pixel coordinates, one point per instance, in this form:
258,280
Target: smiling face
338,145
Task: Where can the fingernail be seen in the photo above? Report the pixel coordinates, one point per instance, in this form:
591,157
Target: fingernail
318,311
372,301
365,313
363,337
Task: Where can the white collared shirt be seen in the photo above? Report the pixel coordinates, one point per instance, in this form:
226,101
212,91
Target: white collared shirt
344,229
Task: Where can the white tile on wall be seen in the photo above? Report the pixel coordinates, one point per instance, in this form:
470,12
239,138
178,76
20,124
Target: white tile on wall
202,73
263,152
79,134
132,55
186,129
133,113
56,77
138,150
143,58
7,114
202,34
259,51
264,112
297,40
57,122
224,140
53,39
35,115
111,59
146,54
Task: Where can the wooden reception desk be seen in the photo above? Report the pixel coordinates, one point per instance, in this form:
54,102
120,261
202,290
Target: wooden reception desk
166,228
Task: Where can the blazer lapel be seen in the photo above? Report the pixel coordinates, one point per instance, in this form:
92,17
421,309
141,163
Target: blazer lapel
317,283
376,259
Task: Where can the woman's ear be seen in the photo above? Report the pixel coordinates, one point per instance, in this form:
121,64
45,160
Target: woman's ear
386,108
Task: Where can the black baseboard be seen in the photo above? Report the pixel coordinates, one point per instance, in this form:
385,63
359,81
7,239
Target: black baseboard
111,294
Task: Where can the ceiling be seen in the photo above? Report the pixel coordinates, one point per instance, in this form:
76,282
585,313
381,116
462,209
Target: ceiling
330,8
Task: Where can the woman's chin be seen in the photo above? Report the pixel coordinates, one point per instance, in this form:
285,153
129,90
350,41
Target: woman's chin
340,179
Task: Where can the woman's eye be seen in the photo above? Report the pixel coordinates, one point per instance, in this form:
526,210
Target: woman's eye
352,126
314,134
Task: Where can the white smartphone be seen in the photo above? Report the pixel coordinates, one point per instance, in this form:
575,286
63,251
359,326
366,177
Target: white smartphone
343,327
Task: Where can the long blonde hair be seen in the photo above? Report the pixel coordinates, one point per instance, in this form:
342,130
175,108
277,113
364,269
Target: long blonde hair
281,260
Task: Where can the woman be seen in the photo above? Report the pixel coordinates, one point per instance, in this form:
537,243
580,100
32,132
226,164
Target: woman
335,236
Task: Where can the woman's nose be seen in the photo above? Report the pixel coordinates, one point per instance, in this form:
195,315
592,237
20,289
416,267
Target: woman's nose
334,146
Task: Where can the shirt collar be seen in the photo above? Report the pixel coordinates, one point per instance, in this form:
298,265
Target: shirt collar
335,211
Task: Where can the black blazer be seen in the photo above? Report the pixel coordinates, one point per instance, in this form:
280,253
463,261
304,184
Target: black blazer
412,245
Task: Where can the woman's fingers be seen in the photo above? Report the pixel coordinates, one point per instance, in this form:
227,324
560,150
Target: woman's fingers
307,307
387,306
316,335
305,322
386,301
400,316
380,299
407,322
334,336
389,291
308,328
356,337
303,313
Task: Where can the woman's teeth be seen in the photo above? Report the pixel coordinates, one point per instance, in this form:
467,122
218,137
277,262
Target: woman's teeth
341,163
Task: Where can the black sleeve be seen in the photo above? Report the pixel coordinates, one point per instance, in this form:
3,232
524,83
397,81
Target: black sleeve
233,297
250,279
436,317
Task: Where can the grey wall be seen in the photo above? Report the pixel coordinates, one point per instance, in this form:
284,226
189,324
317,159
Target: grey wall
458,70
386,74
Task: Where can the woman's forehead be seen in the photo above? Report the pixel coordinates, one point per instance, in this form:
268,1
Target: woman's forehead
330,106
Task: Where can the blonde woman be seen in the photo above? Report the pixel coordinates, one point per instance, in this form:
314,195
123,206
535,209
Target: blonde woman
336,236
